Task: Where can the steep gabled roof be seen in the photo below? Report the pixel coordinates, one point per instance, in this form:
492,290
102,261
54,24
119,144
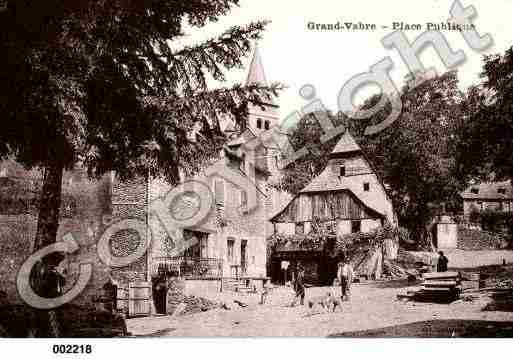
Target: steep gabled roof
346,144
256,74
330,179
489,190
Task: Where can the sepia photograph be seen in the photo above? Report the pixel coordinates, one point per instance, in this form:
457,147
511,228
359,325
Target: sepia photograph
254,169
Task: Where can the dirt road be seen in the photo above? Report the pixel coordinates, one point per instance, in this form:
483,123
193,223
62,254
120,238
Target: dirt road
371,306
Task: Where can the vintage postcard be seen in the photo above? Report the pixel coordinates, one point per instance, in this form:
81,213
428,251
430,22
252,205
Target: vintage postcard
235,169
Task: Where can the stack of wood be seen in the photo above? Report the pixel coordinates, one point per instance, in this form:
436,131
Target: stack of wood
394,270
439,287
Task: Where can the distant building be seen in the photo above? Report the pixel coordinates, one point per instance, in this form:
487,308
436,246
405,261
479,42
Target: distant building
497,196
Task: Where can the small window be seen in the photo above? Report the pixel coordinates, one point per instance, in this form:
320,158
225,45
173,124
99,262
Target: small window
474,190
366,186
356,226
230,244
300,228
266,125
204,247
502,190
243,199
242,164
259,123
342,172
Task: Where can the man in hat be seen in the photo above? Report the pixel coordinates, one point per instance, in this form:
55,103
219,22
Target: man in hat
345,278
299,286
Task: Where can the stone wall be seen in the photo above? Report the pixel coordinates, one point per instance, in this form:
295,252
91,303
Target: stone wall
17,234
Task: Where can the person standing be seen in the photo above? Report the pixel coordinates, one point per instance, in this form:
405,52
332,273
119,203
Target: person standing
345,278
442,263
299,287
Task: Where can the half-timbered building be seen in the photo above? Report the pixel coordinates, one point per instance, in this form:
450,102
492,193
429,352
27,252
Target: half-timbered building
347,196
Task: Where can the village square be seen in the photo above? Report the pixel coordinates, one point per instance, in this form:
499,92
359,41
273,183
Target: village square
199,212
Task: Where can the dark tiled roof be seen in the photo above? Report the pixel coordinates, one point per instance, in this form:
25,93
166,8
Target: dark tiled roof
489,190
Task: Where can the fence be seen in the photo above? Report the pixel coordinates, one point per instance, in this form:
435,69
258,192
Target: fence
189,267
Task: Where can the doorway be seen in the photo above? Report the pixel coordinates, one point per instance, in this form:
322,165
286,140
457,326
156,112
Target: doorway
159,287
243,256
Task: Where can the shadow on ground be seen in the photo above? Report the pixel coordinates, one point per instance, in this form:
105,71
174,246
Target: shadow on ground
438,329
502,302
398,283
159,333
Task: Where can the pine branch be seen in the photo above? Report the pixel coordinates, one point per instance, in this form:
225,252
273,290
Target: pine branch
189,65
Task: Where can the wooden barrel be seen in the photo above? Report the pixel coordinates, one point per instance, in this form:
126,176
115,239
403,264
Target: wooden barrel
122,300
139,296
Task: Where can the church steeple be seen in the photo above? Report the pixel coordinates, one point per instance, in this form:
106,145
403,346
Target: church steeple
256,74
262,116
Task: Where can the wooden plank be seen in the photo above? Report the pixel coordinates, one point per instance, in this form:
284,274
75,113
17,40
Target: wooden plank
437,289
441,283
440,275
139,295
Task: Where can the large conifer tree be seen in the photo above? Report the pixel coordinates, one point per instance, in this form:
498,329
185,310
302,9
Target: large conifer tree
104,83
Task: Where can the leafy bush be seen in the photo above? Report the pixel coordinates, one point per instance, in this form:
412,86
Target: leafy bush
495,221
374,238
474,215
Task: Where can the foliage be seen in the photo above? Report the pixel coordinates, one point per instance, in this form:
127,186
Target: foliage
414,156
307,133
106,84
310,241
347,243
495,221
486,141
474,215
365,240
109,85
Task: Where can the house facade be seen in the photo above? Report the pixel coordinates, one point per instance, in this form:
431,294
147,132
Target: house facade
497,196
347,196
347,193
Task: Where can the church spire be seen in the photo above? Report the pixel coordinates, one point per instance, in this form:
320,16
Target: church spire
256,74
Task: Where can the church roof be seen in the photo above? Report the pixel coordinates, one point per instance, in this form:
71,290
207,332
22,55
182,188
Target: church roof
346,144
256,74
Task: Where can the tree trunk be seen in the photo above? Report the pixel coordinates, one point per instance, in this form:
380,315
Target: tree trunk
49,206
47,225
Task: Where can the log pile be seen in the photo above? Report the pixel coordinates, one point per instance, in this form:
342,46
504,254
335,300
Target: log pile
395,271
439,287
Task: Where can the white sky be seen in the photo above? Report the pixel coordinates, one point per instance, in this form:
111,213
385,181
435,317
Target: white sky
296,56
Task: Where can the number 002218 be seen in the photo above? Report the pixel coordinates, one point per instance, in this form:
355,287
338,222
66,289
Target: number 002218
72,348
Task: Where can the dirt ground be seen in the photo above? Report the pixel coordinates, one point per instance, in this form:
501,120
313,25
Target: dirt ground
373,305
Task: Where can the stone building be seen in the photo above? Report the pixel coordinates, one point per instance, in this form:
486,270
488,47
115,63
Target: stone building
228,242
85,205
347,196
497,196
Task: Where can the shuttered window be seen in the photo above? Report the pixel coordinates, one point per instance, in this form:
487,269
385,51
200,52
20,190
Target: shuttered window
229,253
243,199
219,192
